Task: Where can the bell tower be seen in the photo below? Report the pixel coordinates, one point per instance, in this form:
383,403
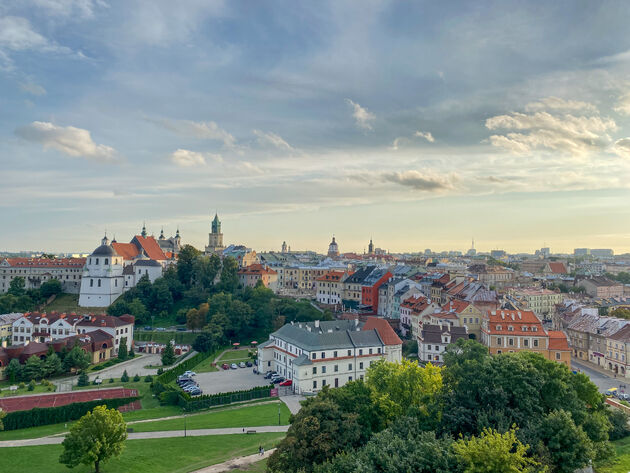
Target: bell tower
215,237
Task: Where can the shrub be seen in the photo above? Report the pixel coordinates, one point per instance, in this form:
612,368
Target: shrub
111,380
619,421
31,385
21,385
83,379
148,379
160,371
136,378
125,377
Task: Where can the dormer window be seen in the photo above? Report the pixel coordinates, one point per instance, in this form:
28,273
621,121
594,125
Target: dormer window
534,329
524,328
510,328
499,327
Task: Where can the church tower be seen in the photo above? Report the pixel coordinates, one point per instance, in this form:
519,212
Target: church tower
215,237
333,249
371,247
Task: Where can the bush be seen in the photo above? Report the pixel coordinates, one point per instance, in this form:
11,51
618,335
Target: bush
83,379
31,385
148,379
209,400
160,371
136,378
54,415
619,422
125,377
111,380
21,385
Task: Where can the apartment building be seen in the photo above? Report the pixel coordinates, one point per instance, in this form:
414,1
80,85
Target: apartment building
331,287
328,353
541,301
433,340
37,271
6,324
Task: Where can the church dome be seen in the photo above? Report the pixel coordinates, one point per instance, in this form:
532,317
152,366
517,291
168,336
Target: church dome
105,250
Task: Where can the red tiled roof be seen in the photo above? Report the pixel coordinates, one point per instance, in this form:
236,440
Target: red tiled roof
558,268
517,319
333,276
151,247
256,269
385,331
558,340
127,250
46,262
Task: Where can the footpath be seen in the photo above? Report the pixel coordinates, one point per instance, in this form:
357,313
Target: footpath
234,463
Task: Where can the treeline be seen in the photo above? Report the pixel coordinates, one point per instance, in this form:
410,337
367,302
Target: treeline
507,413
623,277
54,364
19,299
210,299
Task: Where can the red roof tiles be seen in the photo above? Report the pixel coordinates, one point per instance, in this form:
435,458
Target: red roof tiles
385,331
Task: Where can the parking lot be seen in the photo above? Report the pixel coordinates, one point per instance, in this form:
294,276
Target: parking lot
224,381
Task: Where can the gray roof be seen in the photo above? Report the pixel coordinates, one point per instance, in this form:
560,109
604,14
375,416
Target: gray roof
433,333
329,335
146,262
302,360
105,250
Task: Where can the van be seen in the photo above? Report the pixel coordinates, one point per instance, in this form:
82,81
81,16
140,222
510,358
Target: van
611,392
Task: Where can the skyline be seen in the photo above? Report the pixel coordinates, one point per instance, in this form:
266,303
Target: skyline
421,125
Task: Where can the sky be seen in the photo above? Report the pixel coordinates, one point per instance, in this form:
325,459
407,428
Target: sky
418,124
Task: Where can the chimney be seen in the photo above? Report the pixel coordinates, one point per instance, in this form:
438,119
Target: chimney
356,322
317,324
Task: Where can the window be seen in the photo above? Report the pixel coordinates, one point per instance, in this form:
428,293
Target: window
99,283
335,354
349,378
360,351
361,365
370,351
314,384
535,342
499,327
525,342
313,355
499,341
91,282
511,342
499,352
323,354
314,369
106,261
336,368
323,383
350,367
379,351
534,329
96,260
510,328
349,352
557,356
323,369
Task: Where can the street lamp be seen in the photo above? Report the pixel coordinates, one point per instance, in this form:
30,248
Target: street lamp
184,425
278,413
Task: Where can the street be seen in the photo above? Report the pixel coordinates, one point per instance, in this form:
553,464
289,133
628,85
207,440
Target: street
601,380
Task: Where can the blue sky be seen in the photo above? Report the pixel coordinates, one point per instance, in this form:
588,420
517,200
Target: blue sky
421,124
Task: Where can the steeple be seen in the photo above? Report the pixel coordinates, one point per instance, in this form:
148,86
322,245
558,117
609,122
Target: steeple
371,247
144,230
216,224
105,240
162,234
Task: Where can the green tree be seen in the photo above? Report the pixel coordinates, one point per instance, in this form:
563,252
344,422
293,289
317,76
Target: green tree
95,438
122,349
619,422
239,315
50,288
2,414
33,368
125,377
16,286
76,359
14,370
494,452
185,263
621,312
83,380
52,365
399,387
205,270
229,275
160,296
168,355
204,343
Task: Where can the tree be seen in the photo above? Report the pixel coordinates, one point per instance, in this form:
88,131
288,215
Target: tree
52,365
205,270
2,414
50,288
122,349
196,318
494,452
203,343
95,438
76,359
125,377
16,286
619,421
620,312
33,368
168,355
185,262
399,387
160,296
83,380
229,275
14,370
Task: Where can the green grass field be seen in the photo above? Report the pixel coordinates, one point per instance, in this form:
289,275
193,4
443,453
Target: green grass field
22,391
70,303
622,463
170,455
251,416
258,467
232,356
164,337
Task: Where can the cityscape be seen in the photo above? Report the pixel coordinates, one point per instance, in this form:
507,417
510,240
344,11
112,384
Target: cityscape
329,237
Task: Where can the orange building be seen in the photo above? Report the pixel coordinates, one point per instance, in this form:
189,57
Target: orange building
250,276
511,331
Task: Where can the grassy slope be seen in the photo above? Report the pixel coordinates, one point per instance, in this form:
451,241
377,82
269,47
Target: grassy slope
258,467
70,303
265,414
39,389
622,463
171,455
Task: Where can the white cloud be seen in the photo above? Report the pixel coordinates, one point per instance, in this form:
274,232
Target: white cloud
66,8
555,103
16,34
424,134
623,105
32,88
396,143
418,180
249,168
69,140
575,135
187,158
269,138
202,130
622,147
362,116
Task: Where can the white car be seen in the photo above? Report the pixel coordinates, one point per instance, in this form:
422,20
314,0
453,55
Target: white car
189,373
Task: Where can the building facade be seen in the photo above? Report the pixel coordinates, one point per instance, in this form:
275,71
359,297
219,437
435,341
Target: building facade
36,271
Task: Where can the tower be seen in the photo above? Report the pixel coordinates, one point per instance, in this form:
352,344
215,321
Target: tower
215,237
143,233
371,247
333,248
284,246
162,234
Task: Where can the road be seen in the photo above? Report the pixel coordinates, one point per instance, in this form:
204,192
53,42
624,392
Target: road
57,439
602,380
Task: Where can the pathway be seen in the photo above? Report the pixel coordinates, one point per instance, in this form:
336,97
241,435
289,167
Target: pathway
293,402
56,440
234,463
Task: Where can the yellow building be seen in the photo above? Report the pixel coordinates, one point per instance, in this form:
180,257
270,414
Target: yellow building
6,324
541,301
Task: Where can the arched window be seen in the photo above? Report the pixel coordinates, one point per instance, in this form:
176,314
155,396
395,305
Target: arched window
106,262
91,282
99,283
96,260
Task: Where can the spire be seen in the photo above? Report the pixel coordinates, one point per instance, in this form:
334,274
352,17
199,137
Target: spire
144,229
162,234
177,232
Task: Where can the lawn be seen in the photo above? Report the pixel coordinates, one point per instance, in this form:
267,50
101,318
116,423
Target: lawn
70,303
22,391
258,467
164,337
148,400
234,355
621,464
170,455
250,416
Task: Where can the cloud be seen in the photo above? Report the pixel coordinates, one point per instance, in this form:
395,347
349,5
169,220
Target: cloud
268,138
623,106
396,143
66,8
69,140
424,134
187,158
362,116
622,147
418,180
250,168
202,130
555,103
566,133
16,34
33,89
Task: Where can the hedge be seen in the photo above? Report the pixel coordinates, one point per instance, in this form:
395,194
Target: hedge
54,415
209,400
190,363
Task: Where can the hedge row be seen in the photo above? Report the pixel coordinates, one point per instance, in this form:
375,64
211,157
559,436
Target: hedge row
173,373
54,415
210,400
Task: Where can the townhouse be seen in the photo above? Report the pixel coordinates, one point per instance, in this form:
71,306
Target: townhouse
434,338
601,287
370,288
331,287
250,275
412,311
618,346
541,301
6,325
328,353
510,331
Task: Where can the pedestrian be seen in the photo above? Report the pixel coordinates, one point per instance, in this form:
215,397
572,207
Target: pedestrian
243,429
262,453
260,450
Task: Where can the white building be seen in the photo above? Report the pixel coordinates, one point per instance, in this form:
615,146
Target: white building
36,327
37,271
328,353
103,279
433,340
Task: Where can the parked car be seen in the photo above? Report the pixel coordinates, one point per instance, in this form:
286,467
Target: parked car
225,366
277,380
611,392
269,374
160,329
623,396
241,364
234,366
195,392
288,382
148,327
189,373
249,364
181,329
